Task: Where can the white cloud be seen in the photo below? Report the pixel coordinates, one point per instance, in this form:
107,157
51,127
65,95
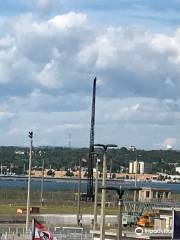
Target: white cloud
138,111
6,42
133,61
48,77
69,20
46,71
4,115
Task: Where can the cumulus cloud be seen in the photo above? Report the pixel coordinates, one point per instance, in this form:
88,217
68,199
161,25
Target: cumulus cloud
128,61
51,63
133,61
48,76
69,20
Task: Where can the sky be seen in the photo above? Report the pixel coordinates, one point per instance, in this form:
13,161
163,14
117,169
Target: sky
50,52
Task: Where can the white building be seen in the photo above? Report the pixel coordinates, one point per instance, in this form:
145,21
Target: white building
131,170
145,167
140,167
135,167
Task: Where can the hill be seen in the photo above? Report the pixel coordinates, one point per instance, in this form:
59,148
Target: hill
15,159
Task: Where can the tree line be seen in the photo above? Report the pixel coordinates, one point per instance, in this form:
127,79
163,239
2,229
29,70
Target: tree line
15,159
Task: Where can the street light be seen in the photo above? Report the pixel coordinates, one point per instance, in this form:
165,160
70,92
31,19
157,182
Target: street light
133,149
103,196
29,181
120,191
96,192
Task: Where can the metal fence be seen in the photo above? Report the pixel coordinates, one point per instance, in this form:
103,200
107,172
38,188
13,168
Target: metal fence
19,196
59,236
72,236
64,233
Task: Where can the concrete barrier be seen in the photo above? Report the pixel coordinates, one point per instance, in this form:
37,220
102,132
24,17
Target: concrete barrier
71,219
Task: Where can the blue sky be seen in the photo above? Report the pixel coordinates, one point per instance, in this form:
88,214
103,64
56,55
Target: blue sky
50,51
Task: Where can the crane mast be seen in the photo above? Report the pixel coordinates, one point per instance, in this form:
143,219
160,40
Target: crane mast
90,192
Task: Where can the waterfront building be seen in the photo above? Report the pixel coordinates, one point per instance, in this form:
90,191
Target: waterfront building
140,167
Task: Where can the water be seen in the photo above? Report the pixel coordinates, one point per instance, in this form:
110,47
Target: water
70,184
49,185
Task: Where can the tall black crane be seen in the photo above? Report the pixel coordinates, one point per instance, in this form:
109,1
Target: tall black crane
90,194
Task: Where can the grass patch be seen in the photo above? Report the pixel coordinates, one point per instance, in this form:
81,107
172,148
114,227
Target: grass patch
59,202
71,208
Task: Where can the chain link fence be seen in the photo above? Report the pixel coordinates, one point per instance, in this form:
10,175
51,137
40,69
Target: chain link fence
19,196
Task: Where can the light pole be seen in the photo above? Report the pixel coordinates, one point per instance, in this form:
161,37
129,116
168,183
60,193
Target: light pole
29,182
133,148
96,194
120,191
103,196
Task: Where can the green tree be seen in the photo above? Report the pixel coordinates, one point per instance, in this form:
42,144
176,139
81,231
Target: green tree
50,173
69,173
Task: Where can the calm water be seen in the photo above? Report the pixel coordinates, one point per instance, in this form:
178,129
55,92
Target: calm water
56,185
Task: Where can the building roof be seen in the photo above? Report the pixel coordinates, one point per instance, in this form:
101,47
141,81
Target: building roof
156,189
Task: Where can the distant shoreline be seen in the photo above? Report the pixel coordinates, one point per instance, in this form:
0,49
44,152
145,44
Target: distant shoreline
57,184
23,177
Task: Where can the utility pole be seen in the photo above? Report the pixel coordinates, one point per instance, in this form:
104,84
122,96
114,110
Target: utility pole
119,219
103,196
79,192
135,184
120,191
29,182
